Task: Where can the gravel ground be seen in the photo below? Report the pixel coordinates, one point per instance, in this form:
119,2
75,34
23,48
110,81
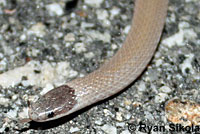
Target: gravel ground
43,44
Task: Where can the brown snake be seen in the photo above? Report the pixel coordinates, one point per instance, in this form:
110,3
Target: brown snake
116,74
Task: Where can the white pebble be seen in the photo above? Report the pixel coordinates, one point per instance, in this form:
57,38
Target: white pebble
165,89
126,132
73,22
159,62
72,15
127,116
1,55
148,115
187,64
3,64
24,113
59,34
184,33
141,87
107,112
67,44
38,30
127,29
119,116
12,114
161,97
14,97
105,37
25,83
106,23
89,55
72,73
23,37
98,122
86,25
109,129
74,129
114,11
18,102
4,101
114,46
94,3
55,9
79,47
172,17
8,50
102,14
69,37
120,124
124,17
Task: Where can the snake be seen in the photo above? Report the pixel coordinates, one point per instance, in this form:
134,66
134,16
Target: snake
115,74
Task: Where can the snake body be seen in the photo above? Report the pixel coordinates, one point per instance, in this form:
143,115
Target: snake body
114,75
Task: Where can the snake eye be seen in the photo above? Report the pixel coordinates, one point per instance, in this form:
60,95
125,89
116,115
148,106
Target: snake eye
50,115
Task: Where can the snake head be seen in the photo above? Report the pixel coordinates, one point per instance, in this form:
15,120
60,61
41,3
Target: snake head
53,104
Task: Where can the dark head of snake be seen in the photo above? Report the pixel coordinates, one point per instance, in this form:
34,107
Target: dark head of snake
54,103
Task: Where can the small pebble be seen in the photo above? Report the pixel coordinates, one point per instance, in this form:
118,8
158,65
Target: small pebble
55,9
38,30
86,25
70,37
187,65
105,37
4,101
127,29
89,55
79,47
126,132
12,114
109,129
121,124
102,14
141,87
94,3
74,129
161,97
119,116
98,122
165,89
114,12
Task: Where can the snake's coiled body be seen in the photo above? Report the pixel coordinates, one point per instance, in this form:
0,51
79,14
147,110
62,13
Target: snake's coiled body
115,74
